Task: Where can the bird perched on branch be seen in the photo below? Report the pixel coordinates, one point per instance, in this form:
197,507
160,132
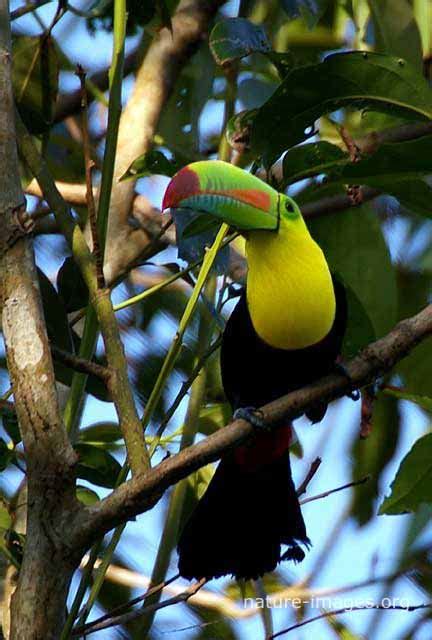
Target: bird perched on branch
286,331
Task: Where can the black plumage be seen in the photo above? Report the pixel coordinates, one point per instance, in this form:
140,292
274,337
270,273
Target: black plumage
251,507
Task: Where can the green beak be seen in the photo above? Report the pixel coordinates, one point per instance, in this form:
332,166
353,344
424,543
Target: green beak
226,193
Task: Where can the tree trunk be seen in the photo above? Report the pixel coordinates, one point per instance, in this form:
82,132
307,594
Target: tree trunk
38,604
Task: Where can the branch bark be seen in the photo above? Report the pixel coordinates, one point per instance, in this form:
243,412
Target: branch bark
142,493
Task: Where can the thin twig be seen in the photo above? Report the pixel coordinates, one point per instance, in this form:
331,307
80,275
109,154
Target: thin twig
186,386
89,165
122,608
355,483
27,8
133,615
337,612
310,474
81,364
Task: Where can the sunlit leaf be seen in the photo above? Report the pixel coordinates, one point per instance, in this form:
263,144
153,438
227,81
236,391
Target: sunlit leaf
5,517
86,495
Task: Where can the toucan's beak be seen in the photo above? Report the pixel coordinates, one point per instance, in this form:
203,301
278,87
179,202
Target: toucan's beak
224,192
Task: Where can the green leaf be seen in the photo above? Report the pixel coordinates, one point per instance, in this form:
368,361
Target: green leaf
86,496
55,315
416,369
415,195
310,160
96,465
412,485
213,417
356,251
391,161
71,286
35,80
150,163
310,10
360,330
371,456
10,424
238,130
5,517
396,31
422,401
196,485
6,455
396,169
101,433
179,129
355,79
236,38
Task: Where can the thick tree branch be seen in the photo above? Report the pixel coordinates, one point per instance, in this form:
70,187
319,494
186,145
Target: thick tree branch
141,493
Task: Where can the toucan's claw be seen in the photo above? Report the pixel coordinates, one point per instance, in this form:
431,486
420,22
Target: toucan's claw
294,552
252,415
354,394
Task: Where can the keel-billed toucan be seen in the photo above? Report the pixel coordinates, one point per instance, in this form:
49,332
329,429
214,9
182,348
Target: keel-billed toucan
285,332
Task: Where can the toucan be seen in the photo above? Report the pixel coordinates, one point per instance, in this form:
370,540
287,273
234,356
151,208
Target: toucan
286,331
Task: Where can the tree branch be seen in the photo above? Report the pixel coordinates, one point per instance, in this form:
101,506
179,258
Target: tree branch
125,618
141,493
44,578
337,612
81,364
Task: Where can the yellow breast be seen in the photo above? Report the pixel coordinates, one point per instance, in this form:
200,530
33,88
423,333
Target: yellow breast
290,292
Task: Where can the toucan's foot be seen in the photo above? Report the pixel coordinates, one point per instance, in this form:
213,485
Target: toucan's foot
252,415
294,552
354,394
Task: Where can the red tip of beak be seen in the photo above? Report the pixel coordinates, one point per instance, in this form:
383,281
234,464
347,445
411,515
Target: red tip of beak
184,184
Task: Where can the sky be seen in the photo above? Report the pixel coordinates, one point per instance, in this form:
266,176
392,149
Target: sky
359,553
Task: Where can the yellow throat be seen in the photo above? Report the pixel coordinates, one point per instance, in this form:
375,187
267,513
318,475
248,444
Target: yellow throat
290,293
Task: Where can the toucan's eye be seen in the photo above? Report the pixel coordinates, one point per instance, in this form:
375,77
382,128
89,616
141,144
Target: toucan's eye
289,207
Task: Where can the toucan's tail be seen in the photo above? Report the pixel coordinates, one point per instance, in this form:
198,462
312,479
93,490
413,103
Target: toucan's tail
249,510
